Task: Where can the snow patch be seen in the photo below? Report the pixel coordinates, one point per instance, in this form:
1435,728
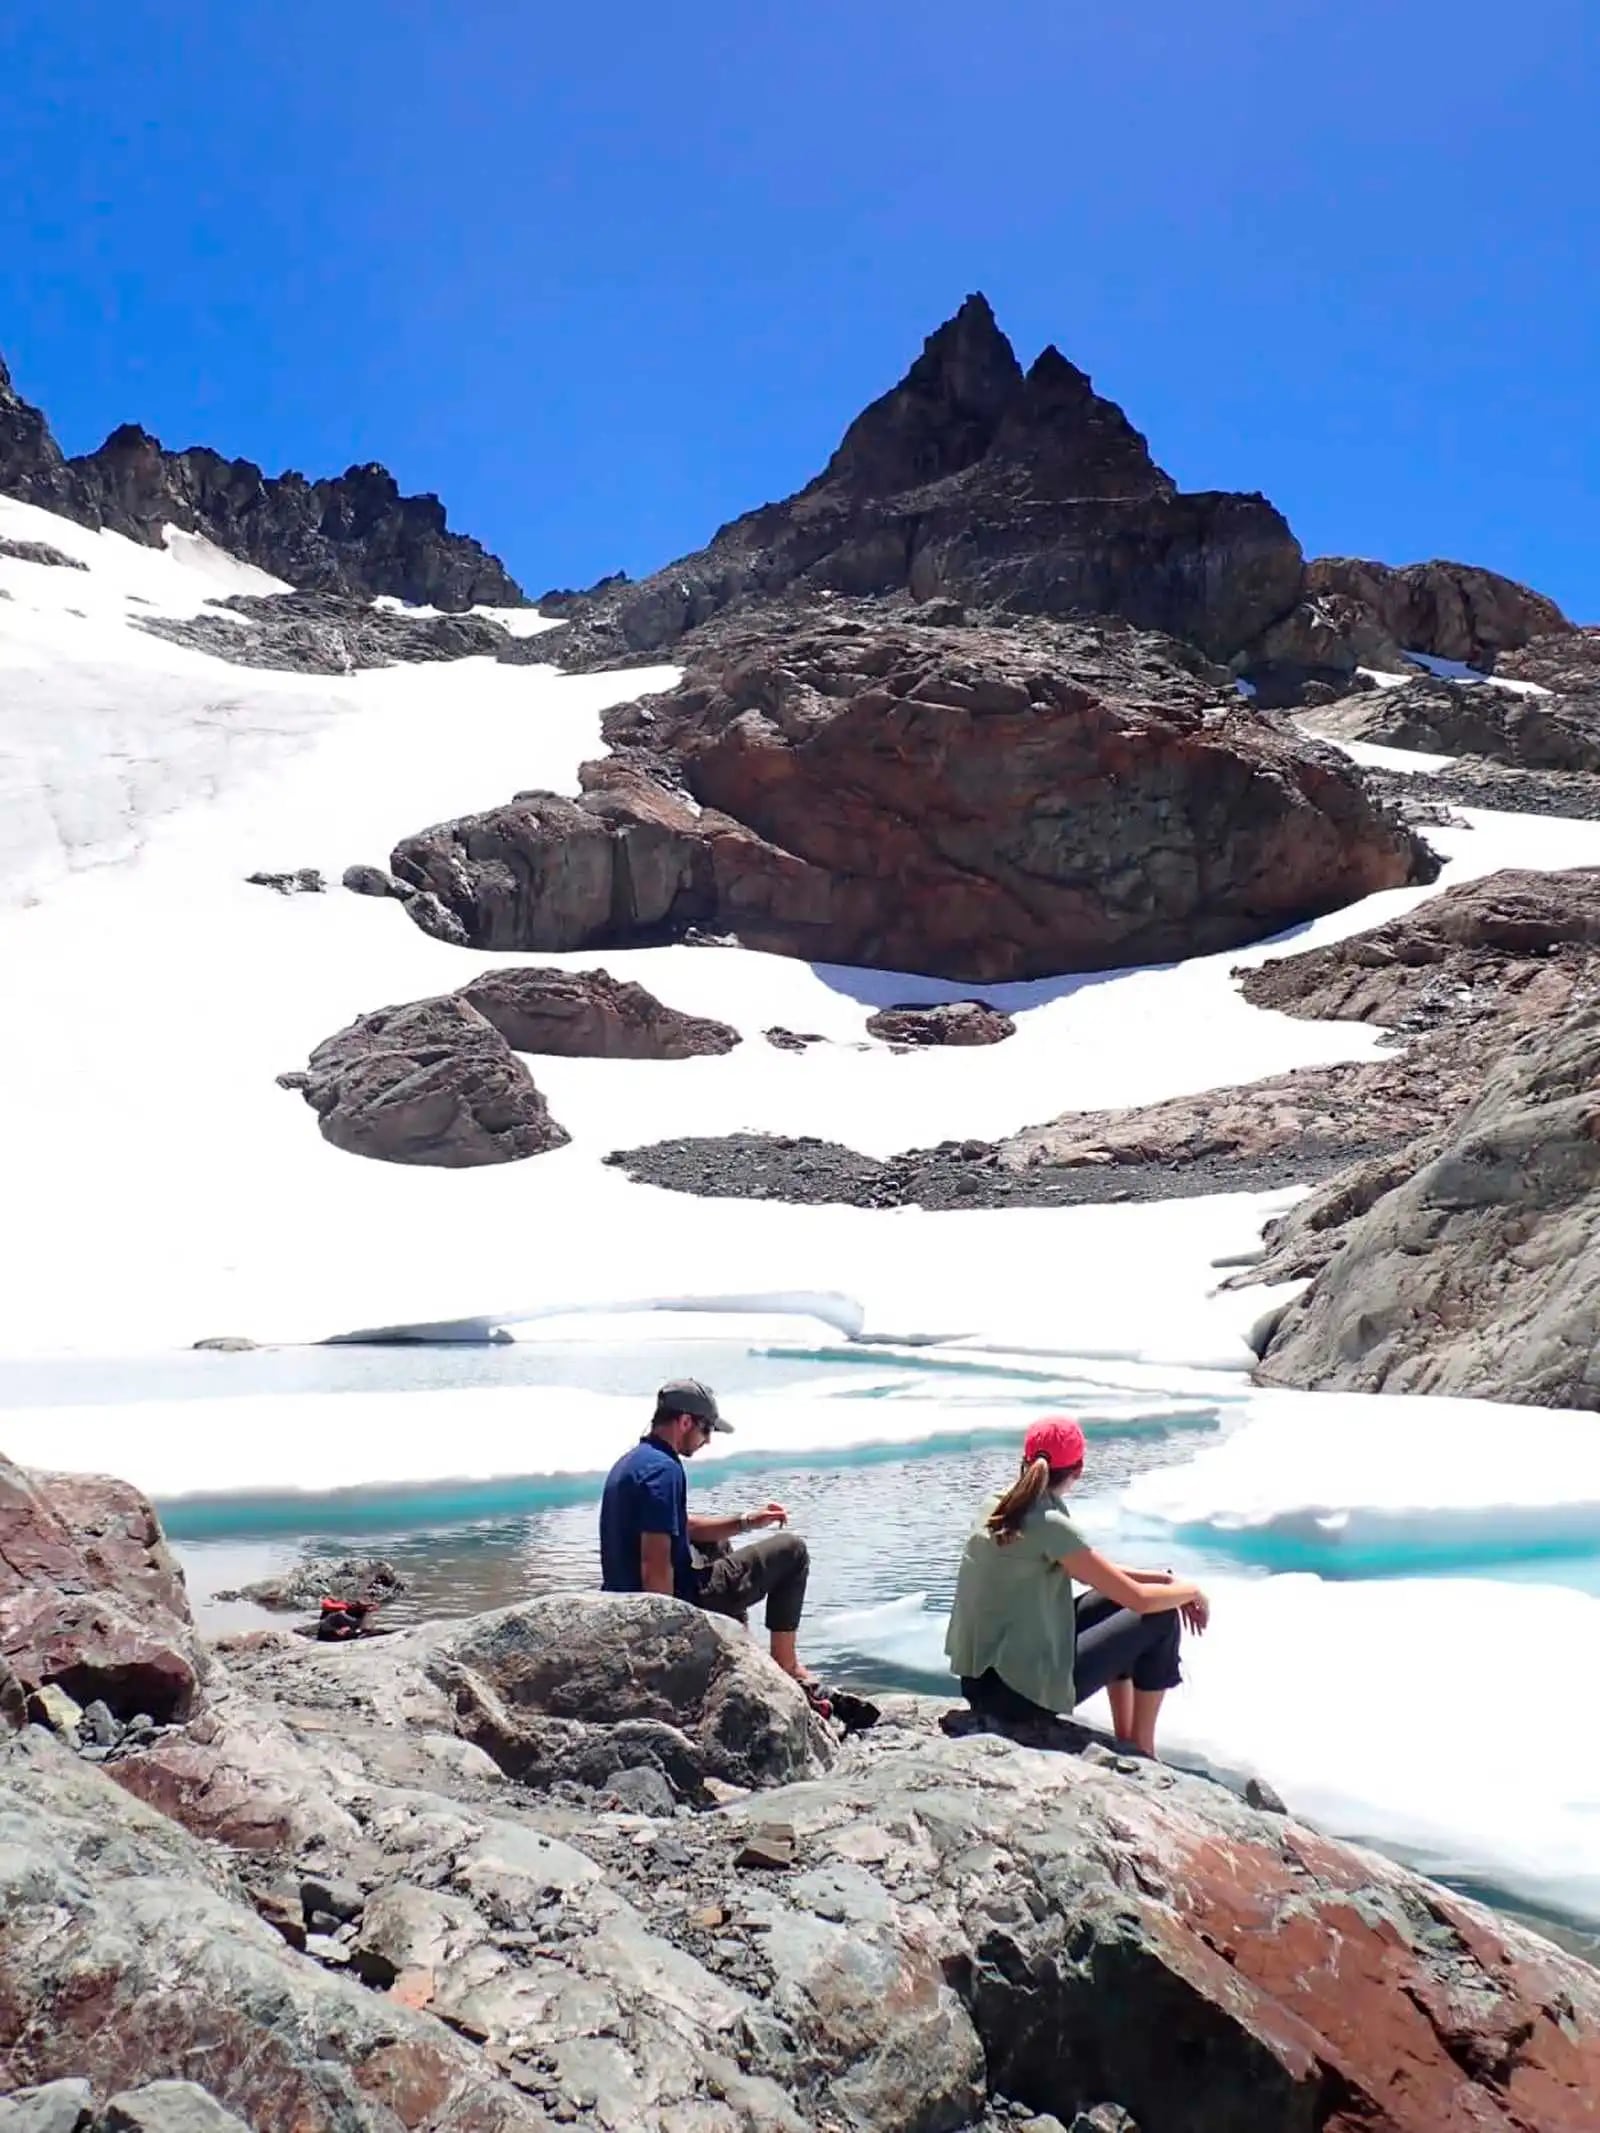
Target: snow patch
1458,670
1388,1712
1344,1483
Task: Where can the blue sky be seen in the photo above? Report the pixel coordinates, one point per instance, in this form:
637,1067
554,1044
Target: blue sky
606,277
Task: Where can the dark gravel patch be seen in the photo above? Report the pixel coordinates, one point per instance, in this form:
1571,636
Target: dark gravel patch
1420,795
957,1174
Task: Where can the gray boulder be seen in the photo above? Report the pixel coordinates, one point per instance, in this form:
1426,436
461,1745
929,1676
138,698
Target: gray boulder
363,880
580,1686
1468,1265
432,1082
169,2107
54,2107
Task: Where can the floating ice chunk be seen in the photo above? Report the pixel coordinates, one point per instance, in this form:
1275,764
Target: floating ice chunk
1353,1483
439,1453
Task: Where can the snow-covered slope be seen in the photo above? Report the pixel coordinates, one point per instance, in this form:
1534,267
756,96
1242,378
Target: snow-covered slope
160,995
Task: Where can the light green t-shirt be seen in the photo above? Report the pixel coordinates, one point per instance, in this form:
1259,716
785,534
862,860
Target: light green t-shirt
1014,1608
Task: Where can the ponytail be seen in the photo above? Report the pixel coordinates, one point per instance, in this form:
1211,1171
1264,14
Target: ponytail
1005,1520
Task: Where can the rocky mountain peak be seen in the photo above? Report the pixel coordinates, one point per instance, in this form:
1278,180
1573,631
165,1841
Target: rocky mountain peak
354,534
31,464
1077,443
942,415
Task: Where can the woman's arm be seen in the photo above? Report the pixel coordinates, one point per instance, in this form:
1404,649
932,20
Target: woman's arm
1128,1590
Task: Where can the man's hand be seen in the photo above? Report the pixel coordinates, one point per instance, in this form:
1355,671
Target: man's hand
769,1514
1197,1615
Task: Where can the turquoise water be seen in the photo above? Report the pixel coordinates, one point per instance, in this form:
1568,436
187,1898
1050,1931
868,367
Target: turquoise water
883,1524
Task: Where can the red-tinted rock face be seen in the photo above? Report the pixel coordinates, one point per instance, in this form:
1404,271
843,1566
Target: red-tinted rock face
431,1082
1450,610
89,1597
966,802
952,1022
1447,2024
588,1014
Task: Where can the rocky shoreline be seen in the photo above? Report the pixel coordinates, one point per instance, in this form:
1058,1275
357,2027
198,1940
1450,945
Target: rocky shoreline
596,1862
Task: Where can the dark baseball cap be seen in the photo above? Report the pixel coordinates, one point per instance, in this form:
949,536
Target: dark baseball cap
687,1396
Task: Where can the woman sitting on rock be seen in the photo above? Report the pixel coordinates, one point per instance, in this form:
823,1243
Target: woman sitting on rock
1027,1647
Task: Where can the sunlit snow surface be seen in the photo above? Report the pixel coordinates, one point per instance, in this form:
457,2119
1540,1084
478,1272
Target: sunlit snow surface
1447,1719
161,1187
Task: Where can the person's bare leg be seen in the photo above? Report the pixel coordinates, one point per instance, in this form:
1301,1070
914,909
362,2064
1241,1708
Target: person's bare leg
783,1651
1146,1705
1119,1694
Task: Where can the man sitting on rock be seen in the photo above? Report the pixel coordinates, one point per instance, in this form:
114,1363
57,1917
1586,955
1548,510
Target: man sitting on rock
648,1540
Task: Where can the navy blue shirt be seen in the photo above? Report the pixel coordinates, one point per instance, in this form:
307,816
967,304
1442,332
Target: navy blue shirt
645,1492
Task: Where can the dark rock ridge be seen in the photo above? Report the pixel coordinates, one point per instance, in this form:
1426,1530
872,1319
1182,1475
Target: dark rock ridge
1427,798
971,802
354,533
1473,718
972,479
39,552
333,633
588,1014
324,1897
430,1082
975,480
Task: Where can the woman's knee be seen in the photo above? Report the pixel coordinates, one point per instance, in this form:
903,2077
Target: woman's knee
1159,1666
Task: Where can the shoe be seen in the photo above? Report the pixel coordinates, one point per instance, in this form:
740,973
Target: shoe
855,1713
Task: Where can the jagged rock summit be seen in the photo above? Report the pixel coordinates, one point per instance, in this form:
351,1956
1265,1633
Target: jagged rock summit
354,533
978,480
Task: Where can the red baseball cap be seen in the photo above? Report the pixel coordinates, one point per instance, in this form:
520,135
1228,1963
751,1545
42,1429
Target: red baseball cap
1057,1439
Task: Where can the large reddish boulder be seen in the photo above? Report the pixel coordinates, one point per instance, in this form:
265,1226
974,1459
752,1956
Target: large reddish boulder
428,1082
1449,610
962,1022
90,1599
981,803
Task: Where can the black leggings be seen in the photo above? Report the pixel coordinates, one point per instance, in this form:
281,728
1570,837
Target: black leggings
1114,1644
774,1570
